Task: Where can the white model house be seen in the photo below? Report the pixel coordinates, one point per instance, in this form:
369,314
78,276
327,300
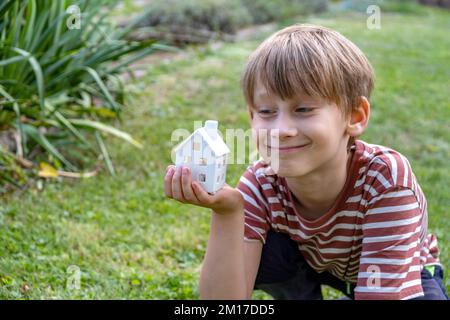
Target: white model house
205,153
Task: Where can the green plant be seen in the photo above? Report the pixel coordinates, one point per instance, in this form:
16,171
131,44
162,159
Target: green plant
192,21
59,78
225,15
119,229
214,15
403,6
264,11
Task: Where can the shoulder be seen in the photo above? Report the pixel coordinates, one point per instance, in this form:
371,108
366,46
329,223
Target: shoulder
259,182
258,173
385,168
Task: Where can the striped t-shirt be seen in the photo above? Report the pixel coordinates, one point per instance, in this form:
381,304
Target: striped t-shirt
374,236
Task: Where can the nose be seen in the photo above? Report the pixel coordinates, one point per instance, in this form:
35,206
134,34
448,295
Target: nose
284,127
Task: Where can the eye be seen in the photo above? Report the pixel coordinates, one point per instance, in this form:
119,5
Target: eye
266,112
303,109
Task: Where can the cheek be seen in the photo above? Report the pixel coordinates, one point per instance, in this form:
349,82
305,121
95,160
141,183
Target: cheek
259,123
320,131
260,136
260,130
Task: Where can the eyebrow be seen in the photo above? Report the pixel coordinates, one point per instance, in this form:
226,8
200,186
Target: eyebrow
297,100
261,95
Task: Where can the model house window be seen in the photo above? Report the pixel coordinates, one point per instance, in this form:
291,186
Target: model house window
203,161
196,146
202,177
187,159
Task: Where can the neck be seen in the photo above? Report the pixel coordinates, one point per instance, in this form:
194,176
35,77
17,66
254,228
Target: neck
316,193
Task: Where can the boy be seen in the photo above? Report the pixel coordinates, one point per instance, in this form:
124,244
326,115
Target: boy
336,210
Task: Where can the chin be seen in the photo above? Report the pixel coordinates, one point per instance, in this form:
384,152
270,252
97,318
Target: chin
288,172
292,168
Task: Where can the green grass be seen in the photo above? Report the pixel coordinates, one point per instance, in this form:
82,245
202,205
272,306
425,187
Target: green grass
129,242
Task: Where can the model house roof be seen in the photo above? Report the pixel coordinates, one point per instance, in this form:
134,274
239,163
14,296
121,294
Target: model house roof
210,135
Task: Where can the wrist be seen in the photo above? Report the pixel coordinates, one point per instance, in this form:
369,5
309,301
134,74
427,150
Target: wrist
234,212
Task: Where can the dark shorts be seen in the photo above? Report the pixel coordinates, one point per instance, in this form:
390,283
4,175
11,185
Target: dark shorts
284,274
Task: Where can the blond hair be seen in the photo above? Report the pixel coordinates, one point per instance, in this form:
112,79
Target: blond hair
311,60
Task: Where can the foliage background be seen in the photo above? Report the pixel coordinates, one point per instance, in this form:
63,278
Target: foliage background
130,242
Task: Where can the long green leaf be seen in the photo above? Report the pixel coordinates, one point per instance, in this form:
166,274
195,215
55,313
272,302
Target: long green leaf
16,108
105,153
107,129
47,145
30,23
15,59
69,126
37,71
139,56
5,6
102,86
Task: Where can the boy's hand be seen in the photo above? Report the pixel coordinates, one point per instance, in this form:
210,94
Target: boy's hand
178,185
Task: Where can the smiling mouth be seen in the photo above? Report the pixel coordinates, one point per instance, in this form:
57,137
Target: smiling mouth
283,150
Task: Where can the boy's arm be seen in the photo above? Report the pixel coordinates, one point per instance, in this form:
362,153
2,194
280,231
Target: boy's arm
389,267
252,257
230,265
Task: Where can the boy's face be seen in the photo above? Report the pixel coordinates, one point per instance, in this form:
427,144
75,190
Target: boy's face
311,132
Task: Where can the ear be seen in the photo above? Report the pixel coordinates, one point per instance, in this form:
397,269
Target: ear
359,118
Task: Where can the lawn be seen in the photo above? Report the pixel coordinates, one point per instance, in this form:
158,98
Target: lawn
129,242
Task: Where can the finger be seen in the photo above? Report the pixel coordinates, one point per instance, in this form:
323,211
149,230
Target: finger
186,186
202,196
177,193
168,181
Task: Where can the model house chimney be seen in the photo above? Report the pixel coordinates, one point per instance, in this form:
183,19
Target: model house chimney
211,128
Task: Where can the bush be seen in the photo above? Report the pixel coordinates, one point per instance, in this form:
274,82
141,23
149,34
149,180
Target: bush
402,6
264,11
198,20
58,82
214,15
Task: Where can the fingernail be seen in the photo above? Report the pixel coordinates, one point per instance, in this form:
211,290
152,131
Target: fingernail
186,170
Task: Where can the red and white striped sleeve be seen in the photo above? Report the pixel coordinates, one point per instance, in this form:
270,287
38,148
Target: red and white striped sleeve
255,207
390,259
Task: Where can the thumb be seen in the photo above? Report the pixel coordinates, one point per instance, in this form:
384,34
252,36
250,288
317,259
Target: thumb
201,194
